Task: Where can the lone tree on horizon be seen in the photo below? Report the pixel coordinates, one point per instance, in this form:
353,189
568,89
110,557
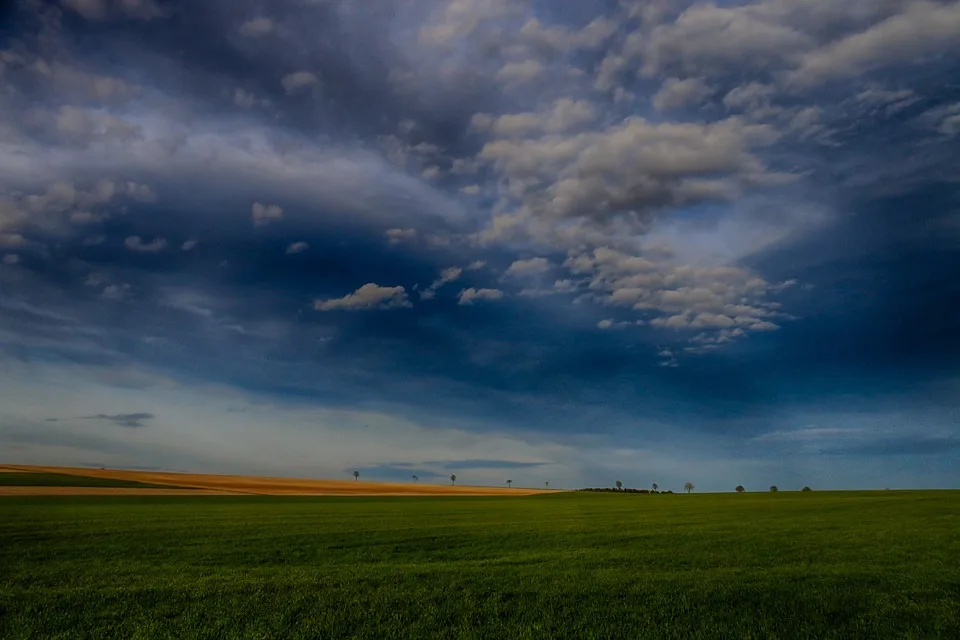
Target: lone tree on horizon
654,486
356,476
509,482
740,488
619,486
806,489
415,478
688,487
547,483
774,489
453,478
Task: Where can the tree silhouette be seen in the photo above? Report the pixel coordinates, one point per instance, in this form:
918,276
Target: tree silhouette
548,484
415,478
509,482
740,488
619,486
356,476
655,486
774,488
688,487
805,489
453,479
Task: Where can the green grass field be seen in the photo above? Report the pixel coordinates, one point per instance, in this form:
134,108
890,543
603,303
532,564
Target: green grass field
30,479
789,565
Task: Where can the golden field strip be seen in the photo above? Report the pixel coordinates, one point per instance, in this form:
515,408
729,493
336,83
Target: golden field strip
206,484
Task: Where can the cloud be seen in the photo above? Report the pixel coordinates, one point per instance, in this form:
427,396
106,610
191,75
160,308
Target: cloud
256,27
188,245
396,236
115,291
676,93
99,10
527,268
265,214
518,73
369,296
127,420
297,247
134,243
294,82
11,259
923,28
471,295
448,275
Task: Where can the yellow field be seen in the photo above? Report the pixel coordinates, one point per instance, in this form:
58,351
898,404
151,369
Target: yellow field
248,485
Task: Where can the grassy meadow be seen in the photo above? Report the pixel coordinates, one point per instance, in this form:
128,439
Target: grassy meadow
31,479
760,565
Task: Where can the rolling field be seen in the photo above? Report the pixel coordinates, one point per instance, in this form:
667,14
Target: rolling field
246,485
787,565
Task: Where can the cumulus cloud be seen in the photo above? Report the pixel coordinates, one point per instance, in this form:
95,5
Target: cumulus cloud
396,236
264,214
11,259
923,28
134,243
256,27
369,296
448,275
298,80
527,268
471,295
676,93
188,245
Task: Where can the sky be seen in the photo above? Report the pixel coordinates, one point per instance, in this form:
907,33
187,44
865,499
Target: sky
565,241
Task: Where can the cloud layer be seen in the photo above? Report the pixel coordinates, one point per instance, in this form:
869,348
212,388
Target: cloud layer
654,237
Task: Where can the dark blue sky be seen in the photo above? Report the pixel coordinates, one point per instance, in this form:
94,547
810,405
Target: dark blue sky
572,241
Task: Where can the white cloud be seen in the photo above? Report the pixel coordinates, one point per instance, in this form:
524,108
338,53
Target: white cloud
134,243
527,268
605,324
294,82
256,27
396,236
471,295
369,296
11,259
297,247
564,115
476,265
471,190
922,28
188,245
675,93
514,74
115,291
265,214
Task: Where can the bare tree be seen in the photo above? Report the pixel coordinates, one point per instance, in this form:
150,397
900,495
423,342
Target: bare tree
688,487
740,488
415,478
509,482
619,485
356,476
654,486
453,479
774,489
